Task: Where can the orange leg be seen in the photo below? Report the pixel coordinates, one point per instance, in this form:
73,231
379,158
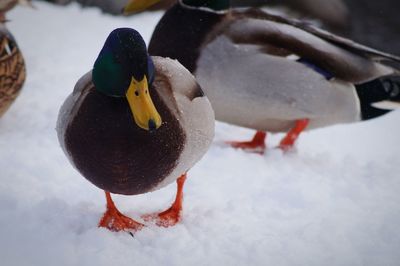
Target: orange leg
116,221
171,216
288,141
257,144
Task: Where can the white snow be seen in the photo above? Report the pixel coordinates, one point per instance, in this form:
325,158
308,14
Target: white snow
334,201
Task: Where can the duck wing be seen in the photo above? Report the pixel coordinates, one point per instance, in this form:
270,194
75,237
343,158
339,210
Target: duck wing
280,36
255,89
323,34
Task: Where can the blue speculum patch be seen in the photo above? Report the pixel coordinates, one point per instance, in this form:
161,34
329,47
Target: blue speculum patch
316,68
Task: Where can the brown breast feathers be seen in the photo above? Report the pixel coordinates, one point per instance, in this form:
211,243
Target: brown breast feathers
113,153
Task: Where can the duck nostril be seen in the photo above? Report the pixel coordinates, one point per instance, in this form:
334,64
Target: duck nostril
152,125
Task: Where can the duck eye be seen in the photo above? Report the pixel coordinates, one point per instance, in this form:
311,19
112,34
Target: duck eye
136,93
145,91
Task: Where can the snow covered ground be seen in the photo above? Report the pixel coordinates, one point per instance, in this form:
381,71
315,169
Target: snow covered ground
335,201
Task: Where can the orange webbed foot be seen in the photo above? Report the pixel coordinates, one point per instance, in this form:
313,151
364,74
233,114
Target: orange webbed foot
171,216
289,140
166,218
115,221
256,145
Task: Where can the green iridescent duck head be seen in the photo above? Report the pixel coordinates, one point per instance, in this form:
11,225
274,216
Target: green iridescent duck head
125,69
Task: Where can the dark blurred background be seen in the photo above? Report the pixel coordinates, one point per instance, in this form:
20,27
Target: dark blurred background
375,23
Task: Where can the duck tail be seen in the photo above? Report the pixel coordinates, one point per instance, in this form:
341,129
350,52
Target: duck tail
379,96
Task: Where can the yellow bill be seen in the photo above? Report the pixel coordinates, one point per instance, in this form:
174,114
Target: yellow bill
135,6
144,112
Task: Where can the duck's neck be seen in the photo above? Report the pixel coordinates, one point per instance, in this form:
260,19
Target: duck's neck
181,32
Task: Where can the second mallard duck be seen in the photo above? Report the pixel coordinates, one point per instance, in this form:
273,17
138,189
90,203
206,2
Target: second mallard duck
271,73
135,124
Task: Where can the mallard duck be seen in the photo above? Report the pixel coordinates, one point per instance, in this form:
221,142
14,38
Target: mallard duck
270,73
134,124
12,69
